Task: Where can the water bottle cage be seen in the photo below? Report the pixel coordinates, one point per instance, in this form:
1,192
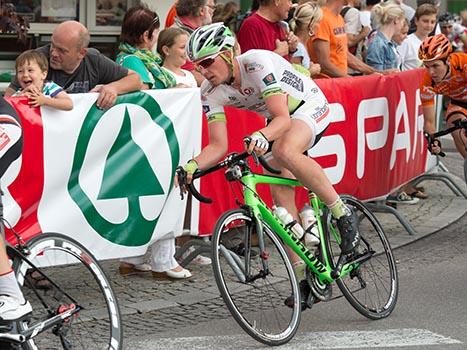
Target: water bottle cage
308,230
290,225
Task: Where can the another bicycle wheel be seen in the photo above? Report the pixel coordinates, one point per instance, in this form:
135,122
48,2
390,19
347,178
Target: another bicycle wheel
254,285
77,273
373,287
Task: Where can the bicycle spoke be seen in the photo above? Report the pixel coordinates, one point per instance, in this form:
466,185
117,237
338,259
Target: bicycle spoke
76,273
257,305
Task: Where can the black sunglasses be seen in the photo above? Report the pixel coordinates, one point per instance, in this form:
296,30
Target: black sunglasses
206,63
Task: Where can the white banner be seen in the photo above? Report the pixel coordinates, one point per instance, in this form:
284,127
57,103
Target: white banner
108,175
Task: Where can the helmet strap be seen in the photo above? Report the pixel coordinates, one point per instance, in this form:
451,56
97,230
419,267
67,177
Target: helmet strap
229,60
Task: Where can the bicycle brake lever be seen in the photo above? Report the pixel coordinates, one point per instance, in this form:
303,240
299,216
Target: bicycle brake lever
181,176
255,158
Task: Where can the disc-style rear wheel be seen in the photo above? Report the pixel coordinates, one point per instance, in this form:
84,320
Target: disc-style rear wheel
255,285
77,273
373,287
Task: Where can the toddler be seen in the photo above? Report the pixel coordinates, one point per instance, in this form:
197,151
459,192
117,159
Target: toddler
31,71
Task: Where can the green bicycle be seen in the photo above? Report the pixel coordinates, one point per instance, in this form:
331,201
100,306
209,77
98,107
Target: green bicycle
255,278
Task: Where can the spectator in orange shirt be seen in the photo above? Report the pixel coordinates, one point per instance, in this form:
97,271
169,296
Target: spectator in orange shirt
328,46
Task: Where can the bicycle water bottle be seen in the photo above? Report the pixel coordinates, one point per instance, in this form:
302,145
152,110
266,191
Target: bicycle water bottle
309,224
286,219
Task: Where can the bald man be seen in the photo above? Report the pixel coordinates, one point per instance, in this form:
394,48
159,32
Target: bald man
78,69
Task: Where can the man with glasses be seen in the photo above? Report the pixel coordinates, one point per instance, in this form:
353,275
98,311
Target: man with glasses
192,14
298,114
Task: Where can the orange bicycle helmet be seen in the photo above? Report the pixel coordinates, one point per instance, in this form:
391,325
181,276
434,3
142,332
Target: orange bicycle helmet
435,47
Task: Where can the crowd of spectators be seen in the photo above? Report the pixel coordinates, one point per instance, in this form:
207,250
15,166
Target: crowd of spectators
333,38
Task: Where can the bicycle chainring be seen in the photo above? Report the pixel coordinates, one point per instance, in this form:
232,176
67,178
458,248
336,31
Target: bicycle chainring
321,291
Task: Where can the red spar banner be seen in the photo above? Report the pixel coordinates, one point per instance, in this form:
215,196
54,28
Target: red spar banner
374,144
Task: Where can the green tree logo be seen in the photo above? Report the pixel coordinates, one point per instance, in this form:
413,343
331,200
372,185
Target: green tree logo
127,173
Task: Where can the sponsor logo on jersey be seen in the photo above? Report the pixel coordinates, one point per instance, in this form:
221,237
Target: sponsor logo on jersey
253,67
248,91
292,80
321,112
269,79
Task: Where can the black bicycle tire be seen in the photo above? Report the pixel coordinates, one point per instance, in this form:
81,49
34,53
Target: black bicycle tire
394,280
223,289
60,240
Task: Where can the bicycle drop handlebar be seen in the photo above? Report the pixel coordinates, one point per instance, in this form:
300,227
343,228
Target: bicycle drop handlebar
231,160
458,124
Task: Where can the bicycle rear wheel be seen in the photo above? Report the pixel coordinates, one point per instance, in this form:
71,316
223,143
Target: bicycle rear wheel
373,287
77,273
255,295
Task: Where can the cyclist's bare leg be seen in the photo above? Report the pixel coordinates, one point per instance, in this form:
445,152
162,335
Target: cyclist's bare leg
288,151
459,136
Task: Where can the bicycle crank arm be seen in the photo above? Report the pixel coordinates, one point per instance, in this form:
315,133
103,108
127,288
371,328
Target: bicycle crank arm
361,258
49,323
13,338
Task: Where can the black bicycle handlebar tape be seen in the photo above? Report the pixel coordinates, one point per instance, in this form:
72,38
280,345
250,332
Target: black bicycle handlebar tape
197,195
267,166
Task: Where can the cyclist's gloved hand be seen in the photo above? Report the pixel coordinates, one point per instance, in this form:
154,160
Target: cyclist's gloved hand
184,175
434,145
259,143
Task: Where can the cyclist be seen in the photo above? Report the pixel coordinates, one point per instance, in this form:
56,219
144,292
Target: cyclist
446,74
297,111
13,306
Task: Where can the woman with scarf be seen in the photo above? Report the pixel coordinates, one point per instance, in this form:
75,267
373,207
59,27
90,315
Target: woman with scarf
140,29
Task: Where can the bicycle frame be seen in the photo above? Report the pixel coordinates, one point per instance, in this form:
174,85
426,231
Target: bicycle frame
20,254
322,269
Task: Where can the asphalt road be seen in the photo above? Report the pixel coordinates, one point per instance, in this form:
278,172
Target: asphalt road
430,314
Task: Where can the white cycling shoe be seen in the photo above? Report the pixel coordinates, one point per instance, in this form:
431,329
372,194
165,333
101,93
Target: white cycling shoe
11,309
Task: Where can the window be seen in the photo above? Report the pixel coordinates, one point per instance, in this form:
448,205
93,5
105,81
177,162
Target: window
107,15
43,15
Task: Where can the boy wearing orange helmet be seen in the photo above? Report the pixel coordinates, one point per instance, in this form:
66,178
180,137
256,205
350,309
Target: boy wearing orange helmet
446,74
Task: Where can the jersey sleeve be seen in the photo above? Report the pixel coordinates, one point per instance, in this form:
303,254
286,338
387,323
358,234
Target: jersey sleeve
213,107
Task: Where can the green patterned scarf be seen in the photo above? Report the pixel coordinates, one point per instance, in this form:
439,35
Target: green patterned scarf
152,62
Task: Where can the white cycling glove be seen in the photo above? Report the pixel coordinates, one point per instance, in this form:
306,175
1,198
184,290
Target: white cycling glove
260,141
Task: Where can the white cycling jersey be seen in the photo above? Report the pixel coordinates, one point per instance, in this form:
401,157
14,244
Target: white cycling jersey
264,73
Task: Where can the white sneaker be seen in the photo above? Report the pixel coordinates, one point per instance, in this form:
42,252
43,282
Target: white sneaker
11,309
198,260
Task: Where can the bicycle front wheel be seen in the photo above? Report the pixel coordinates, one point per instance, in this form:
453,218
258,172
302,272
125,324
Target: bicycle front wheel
80,281
373,287
253,284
